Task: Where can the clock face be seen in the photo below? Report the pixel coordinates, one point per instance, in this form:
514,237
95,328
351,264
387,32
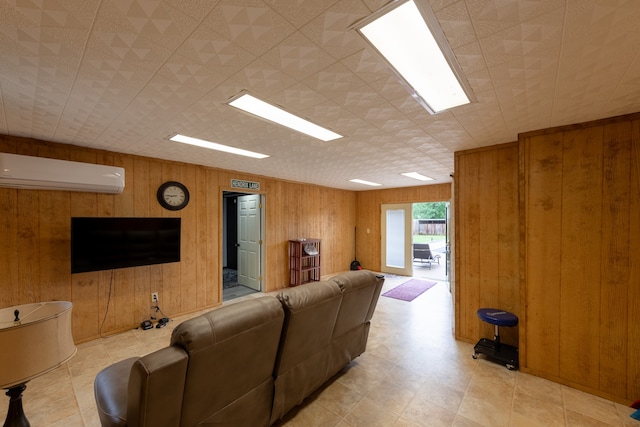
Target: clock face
173,195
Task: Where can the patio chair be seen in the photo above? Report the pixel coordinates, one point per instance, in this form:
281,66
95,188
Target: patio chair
422,251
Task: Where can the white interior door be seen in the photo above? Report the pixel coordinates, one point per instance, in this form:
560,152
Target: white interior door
249,241
396,250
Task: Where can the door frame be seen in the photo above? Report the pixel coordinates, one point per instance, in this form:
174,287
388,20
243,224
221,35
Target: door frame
231,193
253,282
407,270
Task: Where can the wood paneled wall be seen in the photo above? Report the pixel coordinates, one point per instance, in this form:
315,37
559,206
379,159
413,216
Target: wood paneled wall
582,252
369,211
486,239
550,229
35,254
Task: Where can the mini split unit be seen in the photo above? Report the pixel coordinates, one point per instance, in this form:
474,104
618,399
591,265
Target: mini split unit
39,173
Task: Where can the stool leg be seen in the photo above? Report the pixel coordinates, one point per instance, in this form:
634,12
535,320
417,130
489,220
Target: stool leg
496,335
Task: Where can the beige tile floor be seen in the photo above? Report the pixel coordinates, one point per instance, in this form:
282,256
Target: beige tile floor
414,373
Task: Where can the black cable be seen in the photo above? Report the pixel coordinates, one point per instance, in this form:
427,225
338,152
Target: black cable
108,301
157,309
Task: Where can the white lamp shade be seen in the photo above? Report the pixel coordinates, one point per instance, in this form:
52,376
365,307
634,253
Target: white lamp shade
40,342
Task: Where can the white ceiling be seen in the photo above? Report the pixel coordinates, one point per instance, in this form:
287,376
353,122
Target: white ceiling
124,75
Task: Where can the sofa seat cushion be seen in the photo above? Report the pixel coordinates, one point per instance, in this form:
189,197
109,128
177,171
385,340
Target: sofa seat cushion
110,389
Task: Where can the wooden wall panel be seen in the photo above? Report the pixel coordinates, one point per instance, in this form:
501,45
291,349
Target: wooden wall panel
580,253
487,239
614,271
633,288
582,256
324,213
369,208
543,197
35,256
468,245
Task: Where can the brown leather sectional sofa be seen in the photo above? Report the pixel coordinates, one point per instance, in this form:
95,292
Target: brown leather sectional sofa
247,363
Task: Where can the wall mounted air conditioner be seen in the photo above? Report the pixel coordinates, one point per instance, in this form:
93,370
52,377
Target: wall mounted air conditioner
39,173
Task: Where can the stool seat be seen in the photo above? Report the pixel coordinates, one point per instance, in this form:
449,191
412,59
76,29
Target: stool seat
497,317
493,349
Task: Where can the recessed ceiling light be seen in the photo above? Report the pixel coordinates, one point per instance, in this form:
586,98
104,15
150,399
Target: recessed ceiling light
215,146
416,175
408,37
262,109
361,181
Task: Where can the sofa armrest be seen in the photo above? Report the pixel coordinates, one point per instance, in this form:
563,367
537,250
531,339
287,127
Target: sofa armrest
156,388
110,390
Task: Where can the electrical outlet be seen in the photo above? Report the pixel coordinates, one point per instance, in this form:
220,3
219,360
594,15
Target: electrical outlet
154,297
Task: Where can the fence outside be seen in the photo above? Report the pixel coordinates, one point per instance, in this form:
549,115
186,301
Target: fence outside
429,227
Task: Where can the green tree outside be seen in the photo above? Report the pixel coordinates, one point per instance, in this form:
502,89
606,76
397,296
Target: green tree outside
432,210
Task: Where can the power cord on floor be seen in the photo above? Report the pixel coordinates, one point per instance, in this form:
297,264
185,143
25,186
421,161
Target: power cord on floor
162,321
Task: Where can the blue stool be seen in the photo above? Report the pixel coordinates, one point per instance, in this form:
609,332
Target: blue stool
494,350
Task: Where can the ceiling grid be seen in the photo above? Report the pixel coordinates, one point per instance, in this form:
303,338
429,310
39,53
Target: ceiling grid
125,75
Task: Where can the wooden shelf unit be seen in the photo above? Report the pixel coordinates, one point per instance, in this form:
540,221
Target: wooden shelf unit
304,267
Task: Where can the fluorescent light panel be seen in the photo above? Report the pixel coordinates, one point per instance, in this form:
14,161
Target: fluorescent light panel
361,181
215,146
405,40
262,109
416,175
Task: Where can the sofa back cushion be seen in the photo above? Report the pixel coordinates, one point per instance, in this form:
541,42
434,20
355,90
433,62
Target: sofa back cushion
360,292
232,351
310,315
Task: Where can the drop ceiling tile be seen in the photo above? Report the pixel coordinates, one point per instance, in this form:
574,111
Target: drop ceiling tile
349,124
262,79
251,24
330,29
154,19
540,37
375,5
446,129
299,97
436,5
211,49
456,24
424,143
493,16
367,66
188,73
145,52
196,9
333,81
480,82
391,89
579,92
299,12
470,58
298,57
330,115
72,14
164,95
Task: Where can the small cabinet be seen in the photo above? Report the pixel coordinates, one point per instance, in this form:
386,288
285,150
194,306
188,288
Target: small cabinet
304,261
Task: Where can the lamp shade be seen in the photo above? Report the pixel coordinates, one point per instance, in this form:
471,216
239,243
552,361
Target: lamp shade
37,343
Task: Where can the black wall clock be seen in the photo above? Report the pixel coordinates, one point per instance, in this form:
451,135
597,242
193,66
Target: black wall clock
173,195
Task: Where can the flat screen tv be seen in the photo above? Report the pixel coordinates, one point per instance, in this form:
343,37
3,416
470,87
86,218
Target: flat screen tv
109,243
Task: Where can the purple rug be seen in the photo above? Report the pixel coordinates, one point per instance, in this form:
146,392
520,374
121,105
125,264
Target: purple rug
409,290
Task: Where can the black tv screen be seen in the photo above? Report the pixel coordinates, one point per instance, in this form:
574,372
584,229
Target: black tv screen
108,243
